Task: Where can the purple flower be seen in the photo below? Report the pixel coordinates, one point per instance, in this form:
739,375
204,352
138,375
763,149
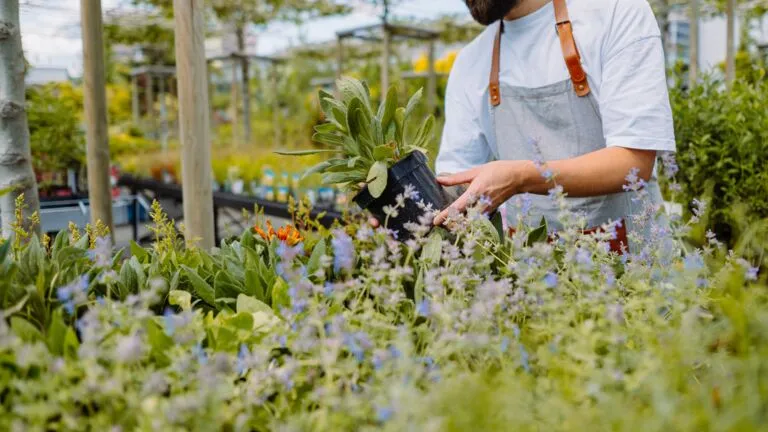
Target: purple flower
343,251
751,273
384,414
550,279
504,344
423,309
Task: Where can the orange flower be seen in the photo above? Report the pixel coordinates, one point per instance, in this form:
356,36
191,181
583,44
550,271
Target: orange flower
288,234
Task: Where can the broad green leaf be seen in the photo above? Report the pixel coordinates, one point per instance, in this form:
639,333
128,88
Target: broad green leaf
304,152
383,152
182,299
322,166
241,321
377,179
356,175
390,106
224,285
25,330
61,241
4,248
280,298
71,344
139,252
326,107
201,287
57,333
328,139
399,125
538,235
327,128
159,342
433,249
424,134
313,265
418,288
253,284
412,102
251,305
352,161
351,88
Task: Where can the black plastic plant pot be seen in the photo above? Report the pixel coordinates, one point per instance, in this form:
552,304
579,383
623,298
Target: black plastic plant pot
414,171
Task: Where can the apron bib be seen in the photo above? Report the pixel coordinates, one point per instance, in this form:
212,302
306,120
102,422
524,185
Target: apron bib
560,121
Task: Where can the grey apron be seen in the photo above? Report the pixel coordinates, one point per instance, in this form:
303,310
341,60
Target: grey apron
554,122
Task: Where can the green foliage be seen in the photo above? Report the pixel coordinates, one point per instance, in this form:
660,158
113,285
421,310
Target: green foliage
366,140
722,140
56,139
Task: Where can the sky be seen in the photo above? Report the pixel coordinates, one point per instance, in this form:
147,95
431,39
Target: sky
51,28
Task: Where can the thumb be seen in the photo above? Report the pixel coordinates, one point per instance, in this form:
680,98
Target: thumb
458,178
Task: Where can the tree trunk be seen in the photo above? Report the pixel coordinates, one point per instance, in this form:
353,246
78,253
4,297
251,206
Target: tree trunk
730,40
693,66
16,175
246,83
233,103
95,101
189,16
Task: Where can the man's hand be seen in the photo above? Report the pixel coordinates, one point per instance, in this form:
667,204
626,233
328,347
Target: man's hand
495,181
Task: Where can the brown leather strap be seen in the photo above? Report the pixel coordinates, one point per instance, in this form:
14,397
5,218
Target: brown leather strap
567,44
570,51
493,87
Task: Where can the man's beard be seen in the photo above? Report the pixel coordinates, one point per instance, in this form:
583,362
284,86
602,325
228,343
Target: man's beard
489,11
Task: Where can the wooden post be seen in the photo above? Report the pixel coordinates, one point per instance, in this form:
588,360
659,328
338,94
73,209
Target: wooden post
339,61
693,66
135,99
189,16
385,55
95,98
275,106
233,102
246,83
163,115
431,79
149,100
730,40
16,175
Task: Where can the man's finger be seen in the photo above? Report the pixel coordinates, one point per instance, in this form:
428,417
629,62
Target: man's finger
459,206
458,178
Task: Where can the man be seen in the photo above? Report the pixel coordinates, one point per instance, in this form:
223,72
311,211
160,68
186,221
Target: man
577,90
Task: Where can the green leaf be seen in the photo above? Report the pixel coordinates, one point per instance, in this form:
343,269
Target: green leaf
202,289
390,106
383,152
251,305
313,265
325,106
25,330
350,88
412,102
4,248
377,179
323,166
224,285
433,249
356,175
57,333
139,252
304,152
328,139
538,235
424,134
159,343
399,125
182,299
280,296
71,344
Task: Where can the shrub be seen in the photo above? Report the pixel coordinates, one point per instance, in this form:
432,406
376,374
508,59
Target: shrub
722,137
347,329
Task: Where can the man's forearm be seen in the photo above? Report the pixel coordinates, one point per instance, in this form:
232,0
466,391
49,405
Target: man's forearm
598,173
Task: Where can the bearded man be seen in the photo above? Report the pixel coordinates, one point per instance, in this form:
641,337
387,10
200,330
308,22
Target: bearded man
560,93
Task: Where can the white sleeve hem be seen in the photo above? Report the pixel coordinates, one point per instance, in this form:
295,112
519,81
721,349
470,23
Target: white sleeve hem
642,143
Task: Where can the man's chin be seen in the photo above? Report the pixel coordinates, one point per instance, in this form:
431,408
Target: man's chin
487,12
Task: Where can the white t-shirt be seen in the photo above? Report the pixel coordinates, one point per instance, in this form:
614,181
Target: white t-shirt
620,45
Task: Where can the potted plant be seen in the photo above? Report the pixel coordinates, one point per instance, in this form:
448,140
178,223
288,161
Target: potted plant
377,153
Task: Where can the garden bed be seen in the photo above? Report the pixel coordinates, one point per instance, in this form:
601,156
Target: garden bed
347,329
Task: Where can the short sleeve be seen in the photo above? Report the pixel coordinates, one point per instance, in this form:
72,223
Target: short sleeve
634,99
463,145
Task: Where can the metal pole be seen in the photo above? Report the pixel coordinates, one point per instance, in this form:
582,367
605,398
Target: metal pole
385,60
